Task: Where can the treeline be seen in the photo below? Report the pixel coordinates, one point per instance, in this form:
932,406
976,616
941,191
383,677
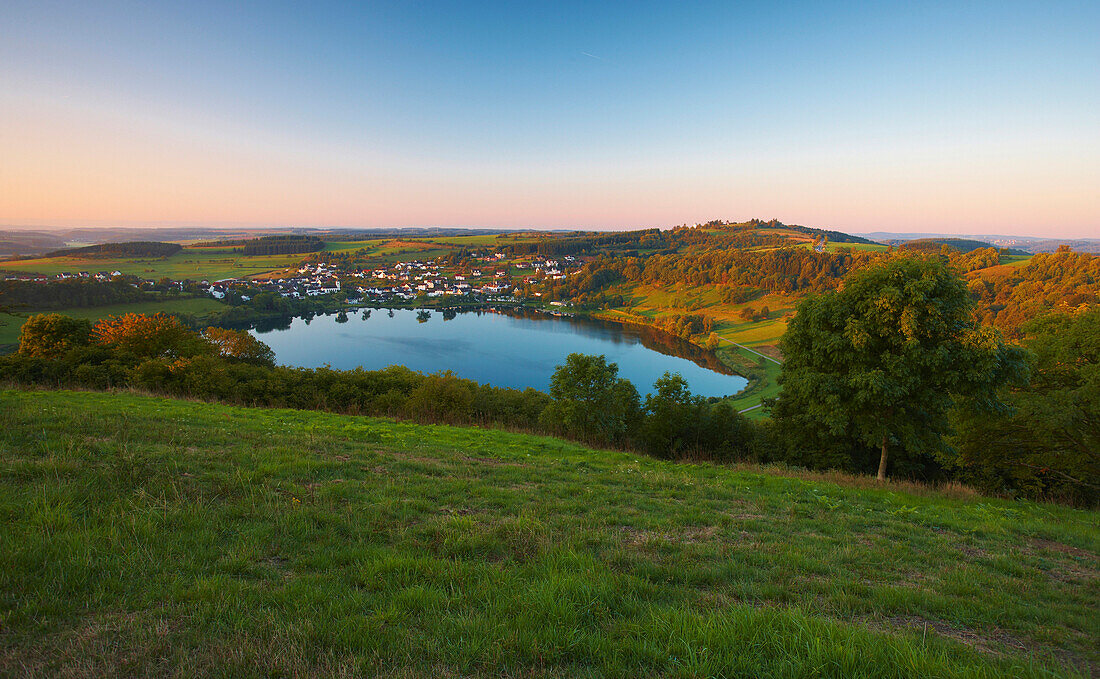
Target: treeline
833,236
130,249
960,244
560,246
685,326
587,400
785,270
286,244
281,245
68,293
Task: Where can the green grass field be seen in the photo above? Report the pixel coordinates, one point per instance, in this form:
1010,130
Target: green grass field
856,247
10,325
151,537
1016,260
346,245
190,263
473,241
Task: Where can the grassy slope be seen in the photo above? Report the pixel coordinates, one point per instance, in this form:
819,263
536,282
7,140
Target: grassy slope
646,304
10,325
150,536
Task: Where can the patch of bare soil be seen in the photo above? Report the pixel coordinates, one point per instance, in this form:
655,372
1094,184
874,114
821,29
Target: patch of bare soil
989,640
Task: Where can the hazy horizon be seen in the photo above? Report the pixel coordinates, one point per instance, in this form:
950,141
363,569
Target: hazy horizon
975,119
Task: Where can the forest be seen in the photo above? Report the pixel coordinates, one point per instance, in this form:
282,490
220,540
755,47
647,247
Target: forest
109,250
289,244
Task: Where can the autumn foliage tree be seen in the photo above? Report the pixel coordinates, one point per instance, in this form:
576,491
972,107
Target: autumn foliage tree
239,345
148,336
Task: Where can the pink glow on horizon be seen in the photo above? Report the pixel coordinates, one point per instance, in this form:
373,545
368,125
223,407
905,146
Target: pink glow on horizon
67,167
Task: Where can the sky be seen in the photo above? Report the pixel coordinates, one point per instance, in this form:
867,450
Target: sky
953,117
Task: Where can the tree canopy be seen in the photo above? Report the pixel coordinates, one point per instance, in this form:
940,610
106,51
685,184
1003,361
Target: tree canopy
1048,444
881,363
590,400
52,335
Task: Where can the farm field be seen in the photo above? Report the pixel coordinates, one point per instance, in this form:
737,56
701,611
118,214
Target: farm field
862,247
10,325
346,245
190,263
142,533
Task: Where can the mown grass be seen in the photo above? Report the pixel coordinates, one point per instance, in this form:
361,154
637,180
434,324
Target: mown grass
145,536
10,325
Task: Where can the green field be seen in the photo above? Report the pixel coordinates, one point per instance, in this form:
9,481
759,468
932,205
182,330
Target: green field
147,536
1016,260
764,374
9,325
490,239
346,245
190,263
856,247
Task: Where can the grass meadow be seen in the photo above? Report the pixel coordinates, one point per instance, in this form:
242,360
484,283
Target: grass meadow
153,537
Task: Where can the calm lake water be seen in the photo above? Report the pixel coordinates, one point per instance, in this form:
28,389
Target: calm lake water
493,348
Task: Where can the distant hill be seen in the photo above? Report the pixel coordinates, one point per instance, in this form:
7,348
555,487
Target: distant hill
28,242
131,249
832,236
960,244
1023,244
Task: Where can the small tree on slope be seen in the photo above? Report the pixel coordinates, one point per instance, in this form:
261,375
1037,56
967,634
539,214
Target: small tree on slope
882,361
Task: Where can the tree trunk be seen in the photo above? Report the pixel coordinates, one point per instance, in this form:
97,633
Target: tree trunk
882,460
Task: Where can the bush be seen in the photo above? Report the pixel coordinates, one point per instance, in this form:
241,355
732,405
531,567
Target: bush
52,335
590,401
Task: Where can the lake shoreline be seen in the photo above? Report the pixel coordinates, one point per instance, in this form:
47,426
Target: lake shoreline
519,354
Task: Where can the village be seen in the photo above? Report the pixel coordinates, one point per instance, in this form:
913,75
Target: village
490,278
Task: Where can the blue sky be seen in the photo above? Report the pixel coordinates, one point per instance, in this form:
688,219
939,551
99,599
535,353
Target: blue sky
954,117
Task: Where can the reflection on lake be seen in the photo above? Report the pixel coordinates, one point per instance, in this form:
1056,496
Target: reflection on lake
516,351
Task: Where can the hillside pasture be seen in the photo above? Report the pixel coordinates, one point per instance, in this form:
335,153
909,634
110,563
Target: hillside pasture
142,534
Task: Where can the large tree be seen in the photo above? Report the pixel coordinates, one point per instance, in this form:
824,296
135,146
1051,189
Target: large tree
880,363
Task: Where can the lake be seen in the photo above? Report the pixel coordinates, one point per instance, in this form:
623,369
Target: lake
505,350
